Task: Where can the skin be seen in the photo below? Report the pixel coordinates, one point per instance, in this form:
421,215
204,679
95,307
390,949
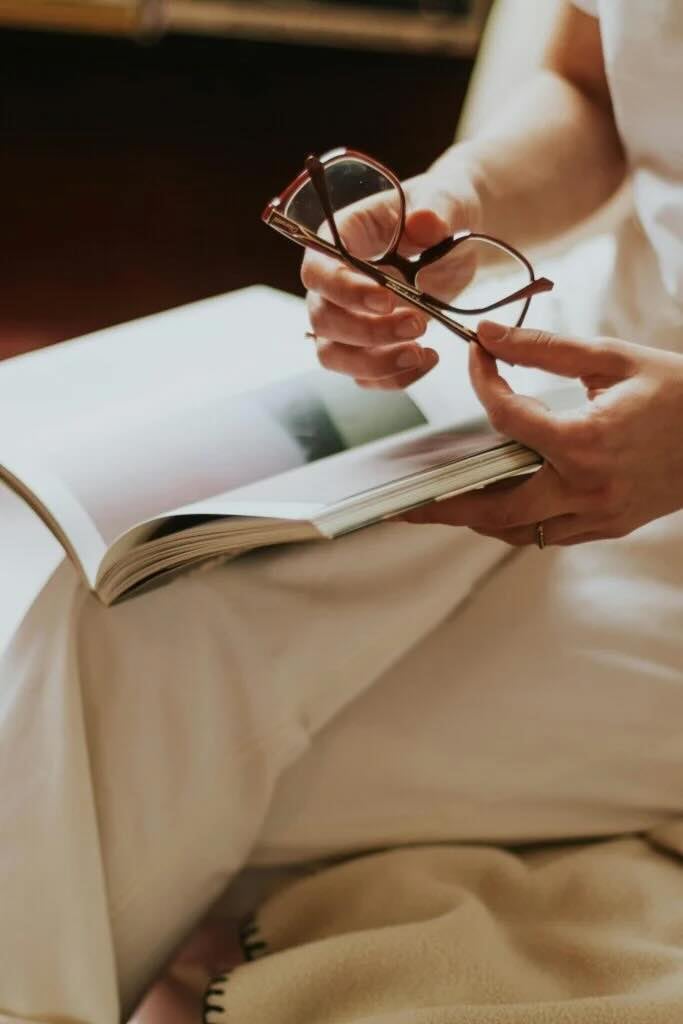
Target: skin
545,162
607,470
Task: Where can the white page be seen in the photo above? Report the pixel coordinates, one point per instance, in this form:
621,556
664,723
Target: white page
155,418
142,464
353,472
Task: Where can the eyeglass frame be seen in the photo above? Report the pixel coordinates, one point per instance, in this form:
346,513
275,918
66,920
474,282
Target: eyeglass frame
314,171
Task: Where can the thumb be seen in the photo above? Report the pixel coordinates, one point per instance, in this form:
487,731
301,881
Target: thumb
424,228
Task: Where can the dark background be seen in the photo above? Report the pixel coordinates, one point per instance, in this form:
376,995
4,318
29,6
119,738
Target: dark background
133,176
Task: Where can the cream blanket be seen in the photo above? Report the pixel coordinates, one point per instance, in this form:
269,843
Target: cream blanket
582,934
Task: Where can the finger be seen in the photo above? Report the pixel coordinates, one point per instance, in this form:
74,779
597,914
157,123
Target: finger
568,357
368,227
582,538
333,323
456,211
541,497
336,282
393,363
519,417
600,528
423,228
558,530
449,275
396,383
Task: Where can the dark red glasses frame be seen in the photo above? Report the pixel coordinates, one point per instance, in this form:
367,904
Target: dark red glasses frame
314,172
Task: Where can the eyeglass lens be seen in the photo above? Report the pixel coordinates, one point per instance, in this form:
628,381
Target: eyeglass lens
366,206
367,209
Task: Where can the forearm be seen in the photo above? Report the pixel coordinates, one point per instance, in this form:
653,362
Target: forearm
548,159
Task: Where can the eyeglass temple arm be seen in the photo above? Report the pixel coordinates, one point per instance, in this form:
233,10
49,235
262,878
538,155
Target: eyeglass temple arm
434,307
316,172
428,304
541,284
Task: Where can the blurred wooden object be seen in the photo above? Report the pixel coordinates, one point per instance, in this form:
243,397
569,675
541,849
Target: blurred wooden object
103,16
432,26
432,29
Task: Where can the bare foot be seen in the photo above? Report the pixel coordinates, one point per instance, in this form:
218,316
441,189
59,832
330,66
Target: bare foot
176,997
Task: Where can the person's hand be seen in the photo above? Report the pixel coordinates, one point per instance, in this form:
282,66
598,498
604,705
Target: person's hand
608,469
361,328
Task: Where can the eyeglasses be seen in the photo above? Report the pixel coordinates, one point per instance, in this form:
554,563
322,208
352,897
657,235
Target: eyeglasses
348,206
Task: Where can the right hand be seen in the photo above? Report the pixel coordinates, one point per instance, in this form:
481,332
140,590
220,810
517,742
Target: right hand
364,330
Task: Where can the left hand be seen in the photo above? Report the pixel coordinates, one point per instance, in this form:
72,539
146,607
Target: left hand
364,330
608,469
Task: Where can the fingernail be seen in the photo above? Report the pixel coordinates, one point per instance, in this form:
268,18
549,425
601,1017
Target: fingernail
379,302
410,359
488,330
409,327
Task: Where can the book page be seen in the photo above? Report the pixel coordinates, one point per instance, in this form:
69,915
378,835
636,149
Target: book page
311,489
354,472
316,489
132,422
146,464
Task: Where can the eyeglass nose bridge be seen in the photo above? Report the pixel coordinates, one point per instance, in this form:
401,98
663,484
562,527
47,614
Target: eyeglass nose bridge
410,267
440,249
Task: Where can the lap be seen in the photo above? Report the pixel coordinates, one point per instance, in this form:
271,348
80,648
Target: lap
164,723
546,707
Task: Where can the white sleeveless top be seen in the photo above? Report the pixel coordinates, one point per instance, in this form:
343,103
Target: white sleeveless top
643,48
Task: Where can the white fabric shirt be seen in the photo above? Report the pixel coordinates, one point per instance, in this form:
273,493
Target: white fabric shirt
643,48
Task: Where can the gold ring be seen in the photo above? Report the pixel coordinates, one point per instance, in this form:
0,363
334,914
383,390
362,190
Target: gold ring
540,536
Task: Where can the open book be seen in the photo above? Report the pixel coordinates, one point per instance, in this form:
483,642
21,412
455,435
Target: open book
230,450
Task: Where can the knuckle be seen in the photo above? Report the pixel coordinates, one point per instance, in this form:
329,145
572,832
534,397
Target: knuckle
499,518
309,274
351,291
498,417
465,212
357,294
611,498
400,382
326,354
513,538
378,362
588,441
622,354
379,369
540,338
317,315
375,332
507,519
597,434
614,530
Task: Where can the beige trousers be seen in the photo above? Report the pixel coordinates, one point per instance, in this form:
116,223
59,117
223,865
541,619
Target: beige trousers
140,745
387,687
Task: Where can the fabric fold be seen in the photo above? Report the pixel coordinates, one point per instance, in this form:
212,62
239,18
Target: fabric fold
580,934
